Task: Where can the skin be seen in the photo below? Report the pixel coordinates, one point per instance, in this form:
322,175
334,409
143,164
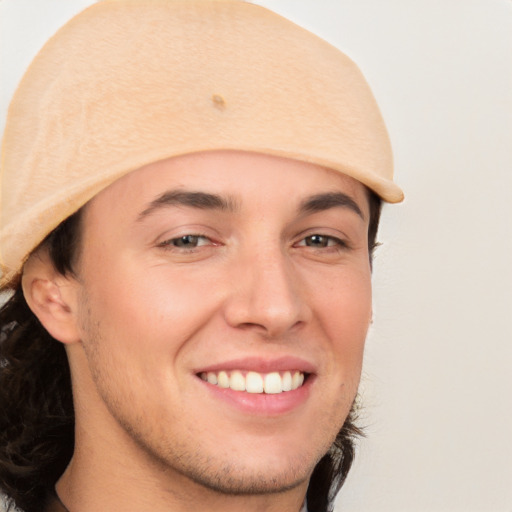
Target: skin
144,314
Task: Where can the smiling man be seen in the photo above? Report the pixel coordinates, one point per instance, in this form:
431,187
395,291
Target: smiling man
190,198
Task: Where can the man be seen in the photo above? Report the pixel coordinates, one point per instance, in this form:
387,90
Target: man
190,198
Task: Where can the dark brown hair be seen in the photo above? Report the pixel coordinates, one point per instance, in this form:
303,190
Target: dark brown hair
36,404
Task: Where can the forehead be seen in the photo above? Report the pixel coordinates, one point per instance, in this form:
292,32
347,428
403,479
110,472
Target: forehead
246,178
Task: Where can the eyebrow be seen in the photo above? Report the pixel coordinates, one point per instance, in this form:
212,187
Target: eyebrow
207,201
326,201
200,200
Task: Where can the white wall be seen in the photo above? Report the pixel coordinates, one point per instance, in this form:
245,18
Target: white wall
437,385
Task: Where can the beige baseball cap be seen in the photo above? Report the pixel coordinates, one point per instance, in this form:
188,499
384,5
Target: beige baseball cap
129,82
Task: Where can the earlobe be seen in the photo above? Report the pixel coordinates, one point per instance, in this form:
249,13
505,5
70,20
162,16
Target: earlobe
52,298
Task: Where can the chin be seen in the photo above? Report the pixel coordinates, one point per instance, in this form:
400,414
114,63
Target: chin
236,480
259,467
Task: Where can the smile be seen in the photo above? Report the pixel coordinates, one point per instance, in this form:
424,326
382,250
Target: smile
254,382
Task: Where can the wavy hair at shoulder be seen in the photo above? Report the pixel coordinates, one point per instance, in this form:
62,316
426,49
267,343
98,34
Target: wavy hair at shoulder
36,403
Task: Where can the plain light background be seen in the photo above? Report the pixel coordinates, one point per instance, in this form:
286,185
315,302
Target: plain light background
437,384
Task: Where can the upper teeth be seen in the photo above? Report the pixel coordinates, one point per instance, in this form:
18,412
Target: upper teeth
254,382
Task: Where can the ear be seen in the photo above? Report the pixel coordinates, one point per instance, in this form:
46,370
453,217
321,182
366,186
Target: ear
52,297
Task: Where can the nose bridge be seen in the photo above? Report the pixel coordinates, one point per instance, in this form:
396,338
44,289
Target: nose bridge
266,292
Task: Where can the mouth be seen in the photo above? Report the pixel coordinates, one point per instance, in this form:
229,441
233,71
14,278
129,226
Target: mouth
272,383
258,386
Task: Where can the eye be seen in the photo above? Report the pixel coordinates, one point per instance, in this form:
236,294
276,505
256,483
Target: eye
321,241
187,242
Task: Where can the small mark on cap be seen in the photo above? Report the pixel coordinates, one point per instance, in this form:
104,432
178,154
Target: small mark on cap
218,101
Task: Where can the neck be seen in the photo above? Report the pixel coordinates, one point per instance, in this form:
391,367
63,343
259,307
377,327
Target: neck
56,505
96,480
83,497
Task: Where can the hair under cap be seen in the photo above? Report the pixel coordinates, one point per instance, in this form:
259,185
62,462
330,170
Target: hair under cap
129,82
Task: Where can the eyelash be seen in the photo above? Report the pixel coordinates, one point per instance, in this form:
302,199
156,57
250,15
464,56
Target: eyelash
331,242
172,242
327,241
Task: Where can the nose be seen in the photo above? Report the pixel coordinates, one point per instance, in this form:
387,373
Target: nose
266,295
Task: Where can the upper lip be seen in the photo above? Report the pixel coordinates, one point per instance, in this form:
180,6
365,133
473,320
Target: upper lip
261,365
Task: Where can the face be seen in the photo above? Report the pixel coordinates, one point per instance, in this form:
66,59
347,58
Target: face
223,303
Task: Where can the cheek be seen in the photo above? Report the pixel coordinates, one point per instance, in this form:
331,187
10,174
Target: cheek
345,311
143,308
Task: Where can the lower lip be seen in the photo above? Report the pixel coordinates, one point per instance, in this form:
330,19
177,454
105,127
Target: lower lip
262,403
